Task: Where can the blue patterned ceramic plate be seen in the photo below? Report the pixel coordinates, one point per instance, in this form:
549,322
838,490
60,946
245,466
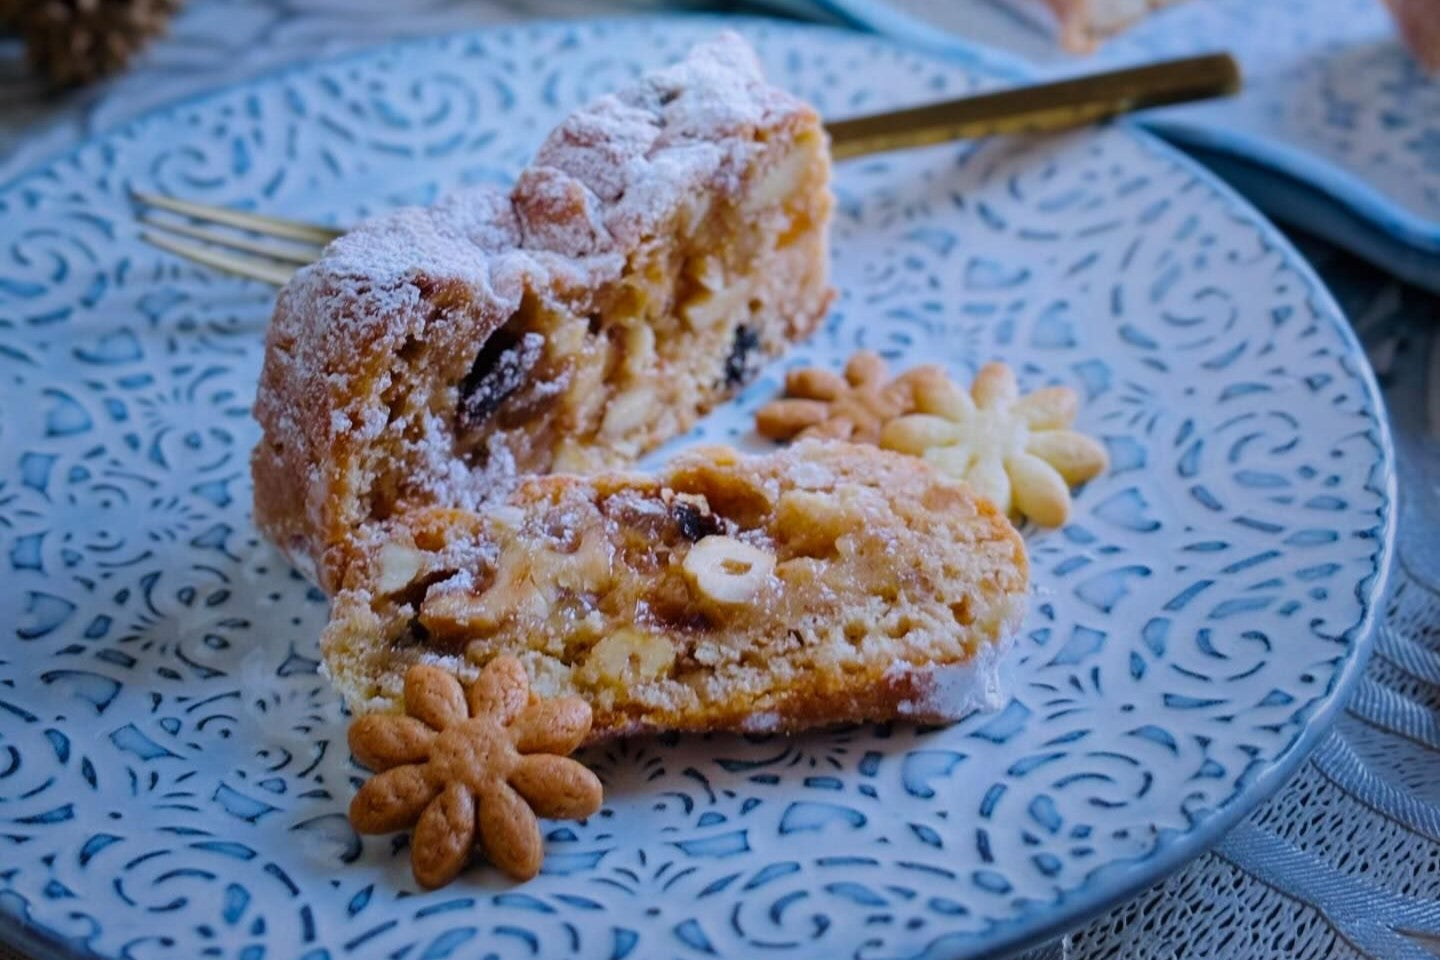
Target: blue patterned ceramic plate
173,776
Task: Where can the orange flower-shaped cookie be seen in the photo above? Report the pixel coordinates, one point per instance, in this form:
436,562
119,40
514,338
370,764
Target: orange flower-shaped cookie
472,766
1017,451
819,403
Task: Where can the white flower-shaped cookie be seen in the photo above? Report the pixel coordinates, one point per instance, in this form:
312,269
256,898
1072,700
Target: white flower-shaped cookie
1017,451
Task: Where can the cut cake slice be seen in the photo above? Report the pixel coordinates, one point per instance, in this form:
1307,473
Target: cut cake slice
824,583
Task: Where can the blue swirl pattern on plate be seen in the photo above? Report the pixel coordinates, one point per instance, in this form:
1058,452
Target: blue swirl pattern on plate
173,774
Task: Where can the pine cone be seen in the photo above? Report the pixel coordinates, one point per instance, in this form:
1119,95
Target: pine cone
76,41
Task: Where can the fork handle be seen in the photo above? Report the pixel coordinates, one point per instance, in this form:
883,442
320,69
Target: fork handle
1039,108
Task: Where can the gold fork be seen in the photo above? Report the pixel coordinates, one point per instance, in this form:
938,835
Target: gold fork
270,249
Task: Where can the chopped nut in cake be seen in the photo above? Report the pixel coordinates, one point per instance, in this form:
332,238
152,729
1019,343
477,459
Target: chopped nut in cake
824,583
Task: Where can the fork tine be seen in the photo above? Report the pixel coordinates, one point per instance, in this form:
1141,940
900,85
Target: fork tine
272,226
288,253
252,268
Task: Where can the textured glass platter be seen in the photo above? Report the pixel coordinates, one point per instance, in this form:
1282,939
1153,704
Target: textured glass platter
173,774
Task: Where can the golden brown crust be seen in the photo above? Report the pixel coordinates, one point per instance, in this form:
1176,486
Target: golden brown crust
317,392
321,400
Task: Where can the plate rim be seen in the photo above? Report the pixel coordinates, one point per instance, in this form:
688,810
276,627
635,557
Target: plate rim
1348,191
1117,880
1289,200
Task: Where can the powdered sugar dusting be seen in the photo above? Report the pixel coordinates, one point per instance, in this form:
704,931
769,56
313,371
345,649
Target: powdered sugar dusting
606,176
639,153
949,692
456,237
764,722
